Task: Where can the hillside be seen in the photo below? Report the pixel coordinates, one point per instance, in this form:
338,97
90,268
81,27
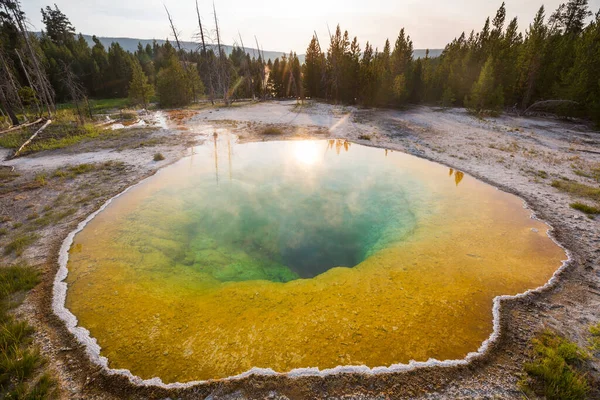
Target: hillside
131,44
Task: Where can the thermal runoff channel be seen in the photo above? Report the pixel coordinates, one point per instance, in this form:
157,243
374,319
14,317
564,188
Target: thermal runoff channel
297,254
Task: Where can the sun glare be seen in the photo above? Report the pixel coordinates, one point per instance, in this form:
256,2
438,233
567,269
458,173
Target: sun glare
306,152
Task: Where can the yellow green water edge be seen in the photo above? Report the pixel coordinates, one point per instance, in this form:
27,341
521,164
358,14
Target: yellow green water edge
377,268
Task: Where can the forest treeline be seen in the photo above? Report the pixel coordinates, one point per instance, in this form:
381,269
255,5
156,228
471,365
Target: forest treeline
557,58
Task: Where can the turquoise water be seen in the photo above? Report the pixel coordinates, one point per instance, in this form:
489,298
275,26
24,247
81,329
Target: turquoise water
246,220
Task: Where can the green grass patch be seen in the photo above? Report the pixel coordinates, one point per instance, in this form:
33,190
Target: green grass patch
578,189
595,338
100,106
17,279
19,244
52,217
72,172
158,157
557,369
586,208
272,131
19,359
593,172
58,135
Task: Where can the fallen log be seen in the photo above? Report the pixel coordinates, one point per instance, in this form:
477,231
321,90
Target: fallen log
14,128
549,105
32,137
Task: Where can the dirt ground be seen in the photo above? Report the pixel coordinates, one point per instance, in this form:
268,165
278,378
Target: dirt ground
45,199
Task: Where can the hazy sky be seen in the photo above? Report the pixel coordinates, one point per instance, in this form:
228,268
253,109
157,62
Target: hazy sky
288,25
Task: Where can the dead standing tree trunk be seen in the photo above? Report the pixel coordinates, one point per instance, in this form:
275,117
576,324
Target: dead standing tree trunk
8,108
76,92
182,52
246,67
41,85
204,57
31,84
222,75
12,85
263,74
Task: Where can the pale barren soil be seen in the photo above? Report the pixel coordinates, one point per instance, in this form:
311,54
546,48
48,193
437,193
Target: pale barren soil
519,155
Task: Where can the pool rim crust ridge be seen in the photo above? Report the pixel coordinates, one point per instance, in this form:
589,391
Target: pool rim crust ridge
92,349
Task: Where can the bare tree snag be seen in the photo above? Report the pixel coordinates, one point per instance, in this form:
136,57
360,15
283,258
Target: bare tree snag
182,52
246,68
201,30
7,107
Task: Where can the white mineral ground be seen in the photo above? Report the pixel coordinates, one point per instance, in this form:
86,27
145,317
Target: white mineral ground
506,151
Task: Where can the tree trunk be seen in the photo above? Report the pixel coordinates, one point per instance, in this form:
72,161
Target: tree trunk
7,107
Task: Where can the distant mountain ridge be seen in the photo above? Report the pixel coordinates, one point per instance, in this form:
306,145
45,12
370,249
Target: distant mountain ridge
131,44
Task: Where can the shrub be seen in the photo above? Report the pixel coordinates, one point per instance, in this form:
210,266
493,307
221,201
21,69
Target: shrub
272,131
158,157
585,208
176,86
556,369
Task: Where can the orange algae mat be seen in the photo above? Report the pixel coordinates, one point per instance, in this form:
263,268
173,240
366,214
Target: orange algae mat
288,255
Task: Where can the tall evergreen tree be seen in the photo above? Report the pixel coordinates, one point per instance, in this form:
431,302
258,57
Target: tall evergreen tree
140,91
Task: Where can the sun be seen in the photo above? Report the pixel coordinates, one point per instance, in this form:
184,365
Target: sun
306,152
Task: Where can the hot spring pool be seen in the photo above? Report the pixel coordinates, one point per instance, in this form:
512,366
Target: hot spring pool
297,254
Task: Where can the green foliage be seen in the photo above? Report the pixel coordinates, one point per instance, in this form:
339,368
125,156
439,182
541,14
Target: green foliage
485,94
578,189
556,369
595,338
285,77
19,359
58,26
56,136
172,85
158,157
314,70
16,279
19,244
448,98
585,208
556,58
140,91
400,88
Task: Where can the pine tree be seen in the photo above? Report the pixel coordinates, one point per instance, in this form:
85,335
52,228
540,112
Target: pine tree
172,85
485,96
400,65
531,58
58,26
140,91
314,69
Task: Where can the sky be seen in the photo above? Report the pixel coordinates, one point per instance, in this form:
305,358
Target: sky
287,25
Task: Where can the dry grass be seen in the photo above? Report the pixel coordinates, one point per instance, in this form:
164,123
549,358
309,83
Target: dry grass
271,131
